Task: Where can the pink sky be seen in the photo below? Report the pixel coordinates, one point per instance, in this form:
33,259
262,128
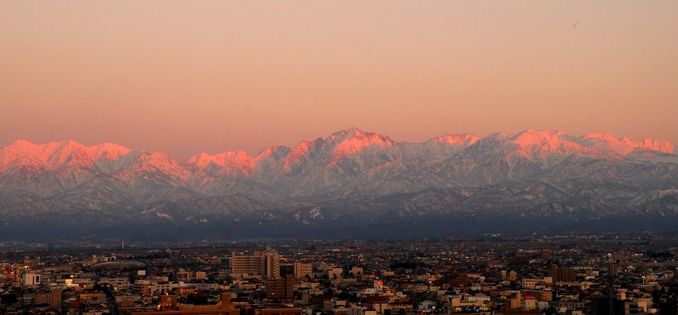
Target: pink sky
190,76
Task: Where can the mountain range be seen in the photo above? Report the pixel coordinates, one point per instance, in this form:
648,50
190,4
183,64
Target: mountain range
350,184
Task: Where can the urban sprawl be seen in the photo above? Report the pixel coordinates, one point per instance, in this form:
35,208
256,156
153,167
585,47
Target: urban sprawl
494,275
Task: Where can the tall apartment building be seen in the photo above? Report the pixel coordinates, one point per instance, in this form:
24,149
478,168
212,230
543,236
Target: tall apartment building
31,279
562,274
271,264
266,264
302,270
280,289
247,264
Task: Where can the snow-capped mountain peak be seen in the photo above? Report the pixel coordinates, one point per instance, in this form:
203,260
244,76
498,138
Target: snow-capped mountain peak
624,146
54,154
463,139
227,161
349,174
544,140
297,154
351,141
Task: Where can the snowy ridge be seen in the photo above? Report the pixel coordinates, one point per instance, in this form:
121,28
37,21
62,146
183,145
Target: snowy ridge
343,144
345,175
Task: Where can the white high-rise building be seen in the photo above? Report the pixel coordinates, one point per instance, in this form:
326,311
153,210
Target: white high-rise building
271,264
302,270
31,279
266,264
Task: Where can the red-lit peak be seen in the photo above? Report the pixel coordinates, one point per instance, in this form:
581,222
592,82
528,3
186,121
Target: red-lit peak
624,146
57,153
463,139
229,160
551,139
351,141
297,154
545,142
